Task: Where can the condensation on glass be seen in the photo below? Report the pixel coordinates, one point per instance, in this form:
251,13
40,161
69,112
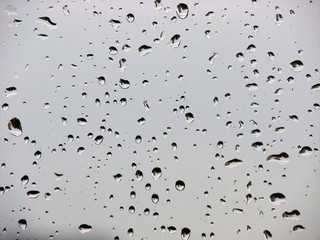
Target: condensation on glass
159,119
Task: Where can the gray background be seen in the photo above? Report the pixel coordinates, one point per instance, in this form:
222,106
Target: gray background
30,64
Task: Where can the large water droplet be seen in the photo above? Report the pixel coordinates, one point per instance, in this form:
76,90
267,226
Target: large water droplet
22,224
14,127
279,158
277,198
175,41
233,163
155,198
84,228
189,117
24,180
185,233
130,17
180,185
124,84
82,121
144,50
291,215
182,10
296,65
33,194
267,234
156,173
305,151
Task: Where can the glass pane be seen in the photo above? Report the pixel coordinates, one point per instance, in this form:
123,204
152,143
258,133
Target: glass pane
159,119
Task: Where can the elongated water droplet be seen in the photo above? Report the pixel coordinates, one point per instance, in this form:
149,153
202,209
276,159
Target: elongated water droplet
84,228
144,50
267,234
279,158
277,198
33,194
233,163
82,121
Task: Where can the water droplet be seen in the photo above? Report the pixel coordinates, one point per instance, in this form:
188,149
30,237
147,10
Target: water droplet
138,139
98,140
175,41
113,50
117,177
172,229
82,121
22,224
24,180
185,233
115,23
46,21
124,84
182,10
267,234
84,228
11,91
130,18
155,198
180,185
297,65
189,117
298,228
139,175
305,151
233,163
277,198
279,158
33,194
156,173
291,215
101,80
14,127
141,121
144,50
240,56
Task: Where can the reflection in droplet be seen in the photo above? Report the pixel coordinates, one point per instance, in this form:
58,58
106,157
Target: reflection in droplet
267,234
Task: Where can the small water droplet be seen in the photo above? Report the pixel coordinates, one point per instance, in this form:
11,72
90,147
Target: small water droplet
24,180
233,163
124,84
130,18
155,198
